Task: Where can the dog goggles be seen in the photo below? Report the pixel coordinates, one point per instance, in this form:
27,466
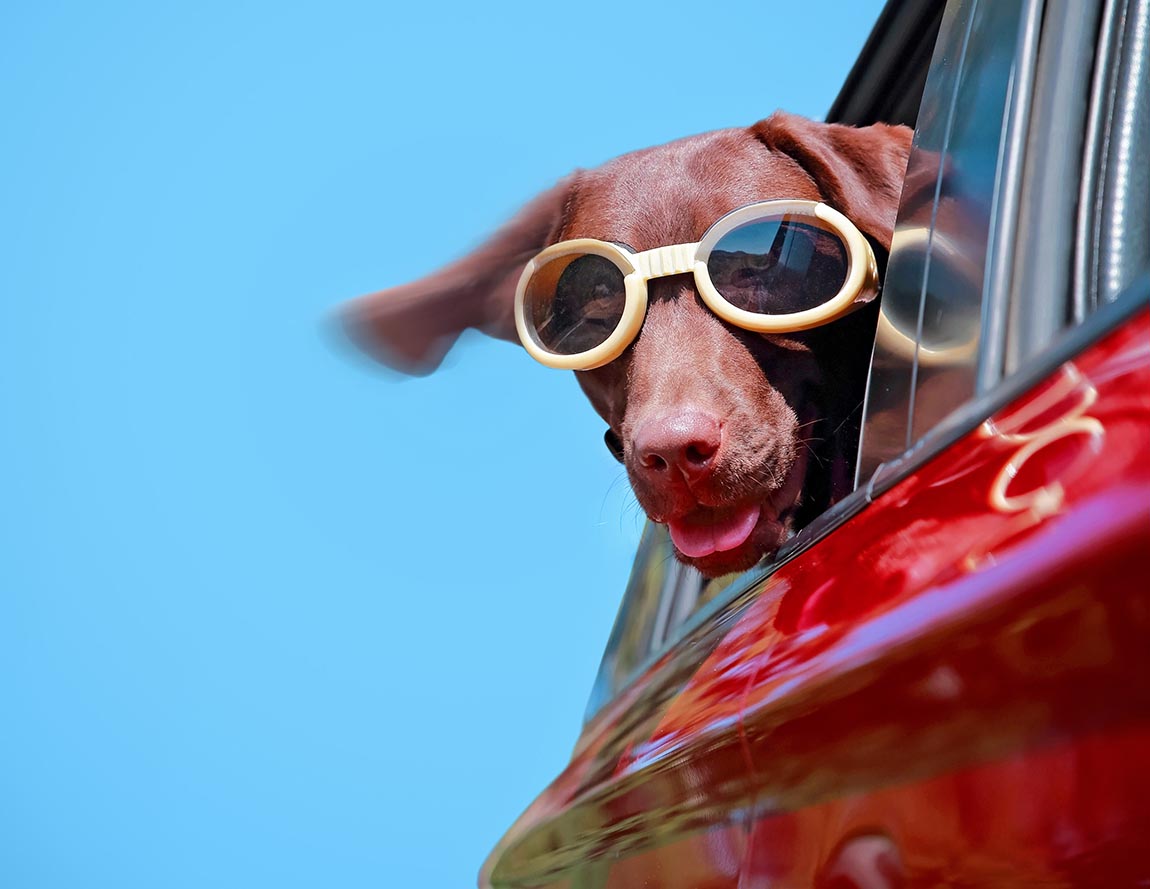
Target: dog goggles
770,267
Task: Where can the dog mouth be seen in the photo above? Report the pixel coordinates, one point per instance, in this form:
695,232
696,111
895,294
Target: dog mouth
705,532
723,539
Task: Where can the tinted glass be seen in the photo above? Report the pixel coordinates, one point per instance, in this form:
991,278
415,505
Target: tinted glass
778,266
926,353
575,302
662,596
949,326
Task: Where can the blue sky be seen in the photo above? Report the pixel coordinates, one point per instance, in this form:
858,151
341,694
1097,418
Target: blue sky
269,615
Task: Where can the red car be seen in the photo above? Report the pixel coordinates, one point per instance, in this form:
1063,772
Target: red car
945,680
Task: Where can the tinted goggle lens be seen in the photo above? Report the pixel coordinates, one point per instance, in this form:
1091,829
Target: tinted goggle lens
778,265
574,302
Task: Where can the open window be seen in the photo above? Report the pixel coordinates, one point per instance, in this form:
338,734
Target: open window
1025,209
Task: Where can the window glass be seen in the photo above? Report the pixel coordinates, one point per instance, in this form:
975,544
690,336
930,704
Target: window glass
926,348
661,595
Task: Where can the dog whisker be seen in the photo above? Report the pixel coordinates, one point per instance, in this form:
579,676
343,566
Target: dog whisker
805,442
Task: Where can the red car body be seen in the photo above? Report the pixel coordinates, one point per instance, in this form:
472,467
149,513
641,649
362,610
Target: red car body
951,689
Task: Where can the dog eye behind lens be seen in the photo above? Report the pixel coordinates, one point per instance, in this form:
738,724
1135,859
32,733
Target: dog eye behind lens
588,303
587,279
778,266
614,444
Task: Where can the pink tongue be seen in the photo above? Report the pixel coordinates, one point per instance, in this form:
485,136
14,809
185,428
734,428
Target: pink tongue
696,541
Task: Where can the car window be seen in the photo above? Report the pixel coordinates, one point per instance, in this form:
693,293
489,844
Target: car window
1003,239
663,598
1025,207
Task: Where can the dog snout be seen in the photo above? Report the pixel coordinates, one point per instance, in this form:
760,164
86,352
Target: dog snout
685,442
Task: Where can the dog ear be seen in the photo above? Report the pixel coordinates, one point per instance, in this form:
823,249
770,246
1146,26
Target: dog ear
859,169
411,327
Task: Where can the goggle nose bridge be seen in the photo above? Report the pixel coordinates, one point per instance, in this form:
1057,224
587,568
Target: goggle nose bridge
674,259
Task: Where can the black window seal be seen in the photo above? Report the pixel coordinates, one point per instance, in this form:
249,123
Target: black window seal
885,82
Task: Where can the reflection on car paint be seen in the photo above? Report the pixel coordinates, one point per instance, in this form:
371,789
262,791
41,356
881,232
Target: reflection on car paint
1070,428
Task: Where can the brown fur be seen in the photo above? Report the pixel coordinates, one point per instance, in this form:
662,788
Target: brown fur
762,420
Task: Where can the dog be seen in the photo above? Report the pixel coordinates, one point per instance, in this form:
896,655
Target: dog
733,438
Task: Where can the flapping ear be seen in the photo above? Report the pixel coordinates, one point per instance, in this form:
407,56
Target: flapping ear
859,169
411,327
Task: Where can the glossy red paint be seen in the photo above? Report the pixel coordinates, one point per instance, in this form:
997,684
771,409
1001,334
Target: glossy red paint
951,688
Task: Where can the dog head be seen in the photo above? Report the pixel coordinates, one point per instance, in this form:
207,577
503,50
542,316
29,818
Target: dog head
732,439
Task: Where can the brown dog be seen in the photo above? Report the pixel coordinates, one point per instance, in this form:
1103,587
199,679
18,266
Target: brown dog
733,439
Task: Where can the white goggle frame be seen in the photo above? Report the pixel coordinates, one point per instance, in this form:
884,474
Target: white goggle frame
682,259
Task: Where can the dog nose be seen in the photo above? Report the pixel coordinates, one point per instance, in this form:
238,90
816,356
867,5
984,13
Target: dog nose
686,441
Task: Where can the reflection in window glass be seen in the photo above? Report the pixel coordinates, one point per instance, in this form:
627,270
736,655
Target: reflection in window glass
661,595
926,349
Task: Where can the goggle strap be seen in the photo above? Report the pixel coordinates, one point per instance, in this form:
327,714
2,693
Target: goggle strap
674,259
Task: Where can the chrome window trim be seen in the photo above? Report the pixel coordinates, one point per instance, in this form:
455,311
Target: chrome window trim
1088,225
1005,208
1114,200
1044,248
